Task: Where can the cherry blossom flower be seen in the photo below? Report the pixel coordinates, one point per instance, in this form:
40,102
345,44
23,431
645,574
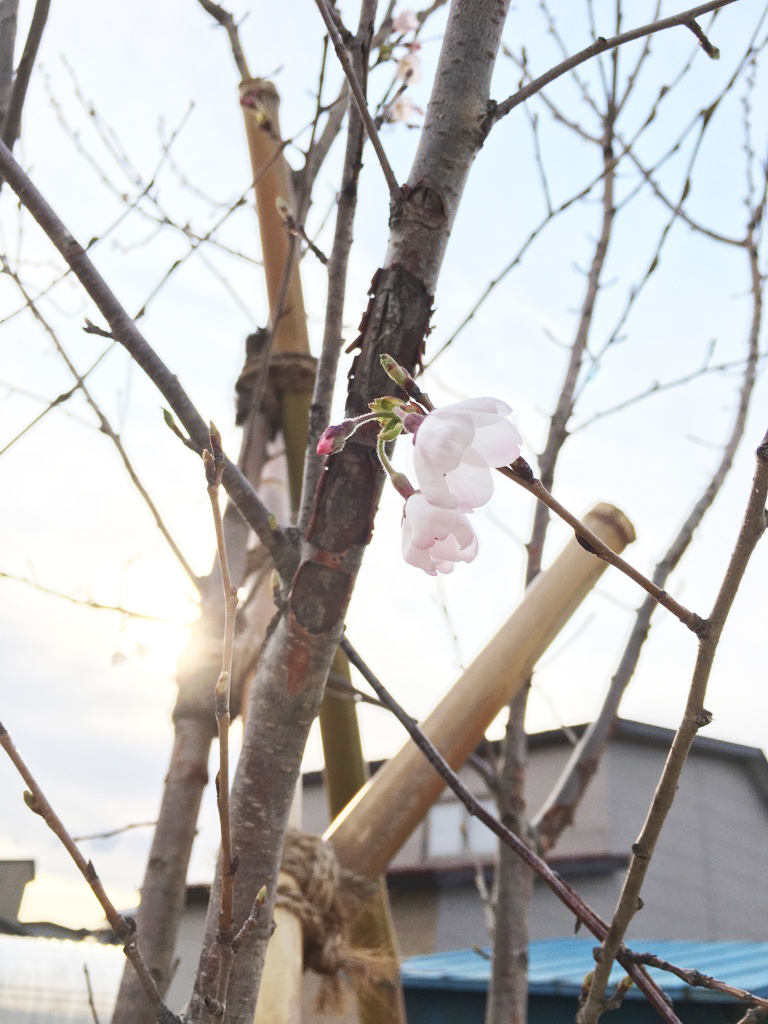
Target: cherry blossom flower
409,69
434,539
455,448
405,21
401,109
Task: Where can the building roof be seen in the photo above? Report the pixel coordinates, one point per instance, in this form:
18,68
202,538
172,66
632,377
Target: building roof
558,967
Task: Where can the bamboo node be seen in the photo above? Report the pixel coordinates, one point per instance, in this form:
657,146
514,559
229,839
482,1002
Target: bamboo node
288,372
327,899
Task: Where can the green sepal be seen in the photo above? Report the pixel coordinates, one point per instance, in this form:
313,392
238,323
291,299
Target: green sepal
390,429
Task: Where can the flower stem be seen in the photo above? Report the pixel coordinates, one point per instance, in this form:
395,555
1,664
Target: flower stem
400,481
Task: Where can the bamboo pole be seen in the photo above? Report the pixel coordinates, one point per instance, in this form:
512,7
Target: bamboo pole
279,998
377,822
345,774
280,992
272,176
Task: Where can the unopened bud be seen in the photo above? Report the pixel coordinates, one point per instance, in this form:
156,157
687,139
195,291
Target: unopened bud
216,445
402,485
334,438
395,371
210,467
286,214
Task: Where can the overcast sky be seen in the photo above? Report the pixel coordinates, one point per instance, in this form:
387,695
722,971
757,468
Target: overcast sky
87,695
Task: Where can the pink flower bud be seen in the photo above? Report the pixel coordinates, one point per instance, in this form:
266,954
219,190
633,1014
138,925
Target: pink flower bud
334,438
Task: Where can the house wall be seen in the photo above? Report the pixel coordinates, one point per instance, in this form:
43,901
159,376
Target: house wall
708,877
14,875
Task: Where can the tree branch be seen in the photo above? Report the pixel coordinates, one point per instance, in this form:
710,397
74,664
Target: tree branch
592,543
500,110
328,363
225,19
558,810
12,126
125,929
695,718
359,97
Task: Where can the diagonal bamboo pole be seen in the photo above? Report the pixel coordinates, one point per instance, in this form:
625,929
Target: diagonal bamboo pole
373,827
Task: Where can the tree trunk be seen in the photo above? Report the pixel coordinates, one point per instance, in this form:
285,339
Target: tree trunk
288,688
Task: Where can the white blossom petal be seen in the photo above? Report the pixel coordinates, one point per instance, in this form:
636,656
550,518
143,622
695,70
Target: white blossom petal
456,447
405,21
409,69
434,538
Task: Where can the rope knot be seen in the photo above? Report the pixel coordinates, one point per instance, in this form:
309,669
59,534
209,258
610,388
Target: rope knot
327,898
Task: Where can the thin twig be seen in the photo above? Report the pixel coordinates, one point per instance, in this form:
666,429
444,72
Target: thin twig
125,331
560,888
359,97
124,928
516,259
599,46
710,50
88,602
12,126
696,979
225,19
695,718
657,388
104,426
113,832
214,470
597,547
91,1002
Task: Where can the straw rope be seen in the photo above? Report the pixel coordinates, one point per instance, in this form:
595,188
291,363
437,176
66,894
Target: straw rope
328,899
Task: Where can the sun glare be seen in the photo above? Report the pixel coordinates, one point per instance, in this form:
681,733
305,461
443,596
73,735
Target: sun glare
69,901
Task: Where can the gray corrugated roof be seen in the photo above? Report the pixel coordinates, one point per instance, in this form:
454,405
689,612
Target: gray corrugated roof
558,967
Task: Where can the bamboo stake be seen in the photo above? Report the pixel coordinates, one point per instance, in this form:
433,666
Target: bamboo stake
346,772
280,992
374,826
260,102
279,998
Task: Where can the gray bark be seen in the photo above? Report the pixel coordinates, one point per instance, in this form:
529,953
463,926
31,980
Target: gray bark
513,885
9,10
